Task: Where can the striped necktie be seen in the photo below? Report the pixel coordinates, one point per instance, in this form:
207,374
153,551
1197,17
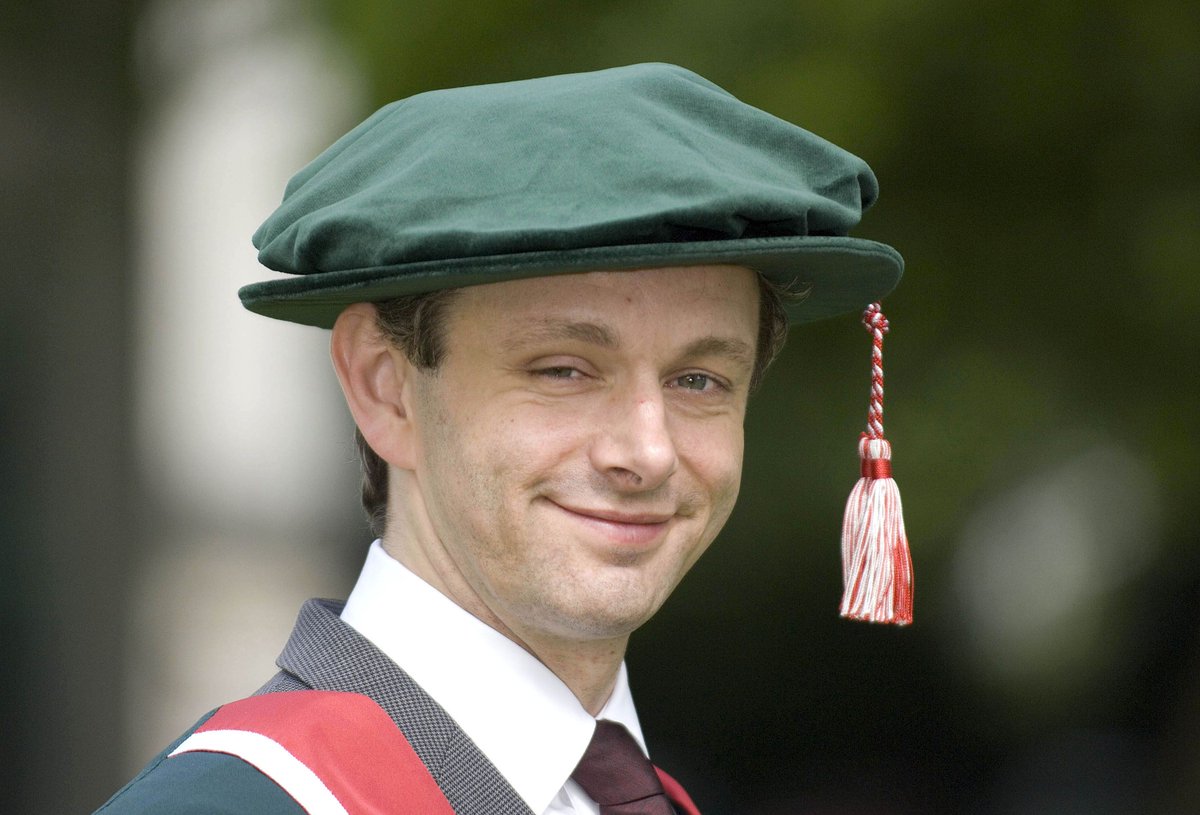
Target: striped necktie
618,776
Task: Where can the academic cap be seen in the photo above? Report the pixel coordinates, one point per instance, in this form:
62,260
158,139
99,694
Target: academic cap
636,167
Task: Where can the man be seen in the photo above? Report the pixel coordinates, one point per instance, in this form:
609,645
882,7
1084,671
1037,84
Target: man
549,303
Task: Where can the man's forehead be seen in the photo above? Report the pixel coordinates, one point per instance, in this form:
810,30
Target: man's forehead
610,338
712,309
714,289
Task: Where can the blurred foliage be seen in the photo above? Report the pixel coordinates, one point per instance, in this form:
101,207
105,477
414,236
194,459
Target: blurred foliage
1040,173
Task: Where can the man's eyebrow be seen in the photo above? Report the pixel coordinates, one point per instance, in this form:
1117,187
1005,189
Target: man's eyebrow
735,350
547,329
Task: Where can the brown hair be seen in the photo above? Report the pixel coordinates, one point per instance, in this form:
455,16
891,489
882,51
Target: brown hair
416,324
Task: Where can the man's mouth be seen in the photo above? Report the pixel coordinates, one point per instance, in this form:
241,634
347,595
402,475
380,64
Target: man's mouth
639,529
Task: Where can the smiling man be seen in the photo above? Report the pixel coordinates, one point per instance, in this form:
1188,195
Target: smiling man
570,457
549,301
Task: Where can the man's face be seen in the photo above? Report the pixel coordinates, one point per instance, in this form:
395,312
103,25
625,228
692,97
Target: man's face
581,444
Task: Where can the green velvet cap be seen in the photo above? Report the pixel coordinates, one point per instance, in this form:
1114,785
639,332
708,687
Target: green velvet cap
636,167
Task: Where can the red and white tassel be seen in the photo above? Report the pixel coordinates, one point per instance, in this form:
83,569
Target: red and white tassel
876,565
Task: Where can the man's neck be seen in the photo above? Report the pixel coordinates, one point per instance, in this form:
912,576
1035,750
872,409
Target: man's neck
588,667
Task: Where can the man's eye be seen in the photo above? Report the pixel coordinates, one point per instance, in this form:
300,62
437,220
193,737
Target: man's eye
558,372
694,382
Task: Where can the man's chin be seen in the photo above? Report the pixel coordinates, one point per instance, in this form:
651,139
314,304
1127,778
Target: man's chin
595,621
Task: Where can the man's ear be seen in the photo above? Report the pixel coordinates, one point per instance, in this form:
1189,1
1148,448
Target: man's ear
375,378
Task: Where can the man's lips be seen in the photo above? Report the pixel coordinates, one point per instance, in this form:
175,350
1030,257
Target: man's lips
619,517
632,528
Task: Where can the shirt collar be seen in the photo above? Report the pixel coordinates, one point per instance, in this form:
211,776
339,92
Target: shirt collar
519,714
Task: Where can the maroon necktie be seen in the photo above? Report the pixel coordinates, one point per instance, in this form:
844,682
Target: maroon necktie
618,776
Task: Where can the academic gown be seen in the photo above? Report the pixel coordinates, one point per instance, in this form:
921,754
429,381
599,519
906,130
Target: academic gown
325,654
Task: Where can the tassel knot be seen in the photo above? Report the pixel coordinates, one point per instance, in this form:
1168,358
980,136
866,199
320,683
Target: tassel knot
876,565
874,319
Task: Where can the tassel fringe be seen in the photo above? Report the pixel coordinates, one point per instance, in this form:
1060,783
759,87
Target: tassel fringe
876,565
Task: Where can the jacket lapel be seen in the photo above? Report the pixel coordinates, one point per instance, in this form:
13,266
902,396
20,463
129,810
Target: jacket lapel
324,653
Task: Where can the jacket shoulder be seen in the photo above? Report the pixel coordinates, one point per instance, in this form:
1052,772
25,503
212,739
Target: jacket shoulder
285,754
200,784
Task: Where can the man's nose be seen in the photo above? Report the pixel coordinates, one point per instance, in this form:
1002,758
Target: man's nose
633,446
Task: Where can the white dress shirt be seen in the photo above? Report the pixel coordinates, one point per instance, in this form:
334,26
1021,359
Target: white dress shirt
519,714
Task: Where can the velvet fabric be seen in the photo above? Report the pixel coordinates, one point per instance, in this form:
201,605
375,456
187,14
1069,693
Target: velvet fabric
634,167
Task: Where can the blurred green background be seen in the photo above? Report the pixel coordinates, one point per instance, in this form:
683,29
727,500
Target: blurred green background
1040,172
